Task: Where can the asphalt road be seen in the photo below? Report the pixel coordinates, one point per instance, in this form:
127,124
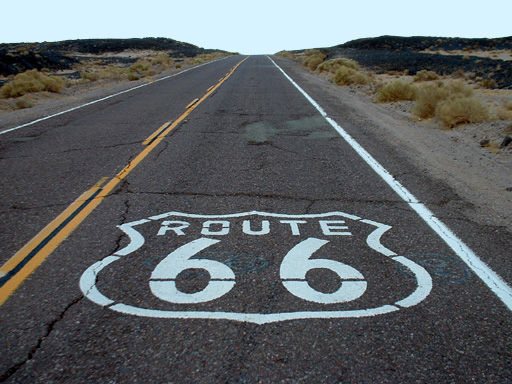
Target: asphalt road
249,243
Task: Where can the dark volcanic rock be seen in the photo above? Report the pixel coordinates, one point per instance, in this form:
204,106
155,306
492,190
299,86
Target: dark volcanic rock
392,53
384,61
20,57
13,64
98,46
419,43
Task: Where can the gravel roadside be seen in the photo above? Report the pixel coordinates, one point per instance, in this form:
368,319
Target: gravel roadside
477,174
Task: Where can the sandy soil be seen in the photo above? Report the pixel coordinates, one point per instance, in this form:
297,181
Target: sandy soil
481,175
494,54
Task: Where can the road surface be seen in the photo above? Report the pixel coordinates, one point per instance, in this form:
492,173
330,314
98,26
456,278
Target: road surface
233,224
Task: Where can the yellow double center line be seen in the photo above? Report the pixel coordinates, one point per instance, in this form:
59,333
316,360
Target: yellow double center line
28,258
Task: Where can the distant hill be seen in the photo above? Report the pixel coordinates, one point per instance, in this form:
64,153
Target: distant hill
20,57
418,43
445,56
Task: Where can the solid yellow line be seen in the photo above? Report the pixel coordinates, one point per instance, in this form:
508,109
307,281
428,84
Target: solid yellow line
145,142
20,255
13,283
191,103
10,286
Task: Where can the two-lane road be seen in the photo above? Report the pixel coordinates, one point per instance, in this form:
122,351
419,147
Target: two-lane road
232,230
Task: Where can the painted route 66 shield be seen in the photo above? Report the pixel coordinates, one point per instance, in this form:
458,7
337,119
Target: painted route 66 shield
255,266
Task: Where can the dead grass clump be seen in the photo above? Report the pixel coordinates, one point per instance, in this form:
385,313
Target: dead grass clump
452,103
313,58
30,82
312,62
461,110
163,60
425,75
285,54
22,103
140,69
139,66
333,65
459,89
505,112
90,76
427,99
396,91
348,76
488,83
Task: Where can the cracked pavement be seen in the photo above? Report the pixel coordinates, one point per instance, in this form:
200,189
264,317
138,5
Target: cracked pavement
257,149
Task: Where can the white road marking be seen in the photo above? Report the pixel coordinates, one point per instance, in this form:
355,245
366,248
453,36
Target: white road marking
103,98
298,262
136,239
292,272
163,278
486,274
424,283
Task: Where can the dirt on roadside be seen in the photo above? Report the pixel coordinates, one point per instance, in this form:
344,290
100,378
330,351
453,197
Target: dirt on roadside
467,158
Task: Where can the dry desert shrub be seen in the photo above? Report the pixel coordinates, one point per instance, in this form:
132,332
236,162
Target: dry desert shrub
312,62
429,95
348,76
333,65
313,58
139,66
452,103
285,54
459,89
461,110
163,60
488,83
132,76
22,103
90,76
505,112
425,75
30,82
396,91
427,99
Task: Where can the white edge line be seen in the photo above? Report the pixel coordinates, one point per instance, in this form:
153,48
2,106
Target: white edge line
486,274
106,98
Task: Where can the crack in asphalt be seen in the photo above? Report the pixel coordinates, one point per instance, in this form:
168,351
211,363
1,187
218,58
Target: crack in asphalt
165,146
235,194
31,353
396,203
71,150
22,208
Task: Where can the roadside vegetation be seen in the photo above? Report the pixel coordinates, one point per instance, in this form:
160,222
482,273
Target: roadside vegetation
31,87
449,100
30,82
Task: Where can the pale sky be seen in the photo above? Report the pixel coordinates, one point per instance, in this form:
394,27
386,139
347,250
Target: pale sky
252,27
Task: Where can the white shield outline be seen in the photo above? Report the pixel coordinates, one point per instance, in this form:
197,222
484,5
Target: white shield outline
89,277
